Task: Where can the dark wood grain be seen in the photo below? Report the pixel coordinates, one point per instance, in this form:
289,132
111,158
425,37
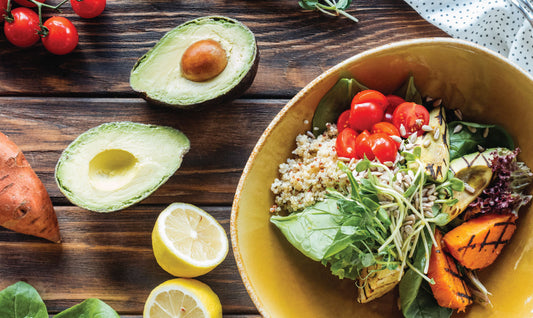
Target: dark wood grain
111,43
46,101
108,256
43,127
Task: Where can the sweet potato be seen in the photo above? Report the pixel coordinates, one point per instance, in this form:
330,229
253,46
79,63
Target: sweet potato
25,205
450,289
476,243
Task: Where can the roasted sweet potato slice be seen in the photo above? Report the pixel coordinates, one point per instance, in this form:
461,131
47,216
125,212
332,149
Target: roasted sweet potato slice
476,243
25,205
450,289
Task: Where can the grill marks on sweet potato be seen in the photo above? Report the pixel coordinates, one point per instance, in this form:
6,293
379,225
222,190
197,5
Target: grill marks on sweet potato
25,205
478,242
450,290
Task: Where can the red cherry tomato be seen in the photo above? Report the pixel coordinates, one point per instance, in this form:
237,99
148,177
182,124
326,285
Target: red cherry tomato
343,121
61,37
27,3
383,147
88,8
23,30
345,144
3,7
386,128
364,115
394,101
363,147
370,95
412,117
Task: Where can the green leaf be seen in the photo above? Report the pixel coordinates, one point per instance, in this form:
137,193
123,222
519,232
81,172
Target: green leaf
442,219
457,184
90,308
409,92
308,4
21,300
383,216
333,103
313,230
416,297
467,140
343,4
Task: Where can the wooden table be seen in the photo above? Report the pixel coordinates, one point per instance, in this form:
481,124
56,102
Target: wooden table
46,101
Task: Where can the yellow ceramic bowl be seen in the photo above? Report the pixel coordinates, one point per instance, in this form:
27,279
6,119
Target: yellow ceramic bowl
486,87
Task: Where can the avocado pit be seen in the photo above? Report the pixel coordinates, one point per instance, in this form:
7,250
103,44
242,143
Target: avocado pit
203,60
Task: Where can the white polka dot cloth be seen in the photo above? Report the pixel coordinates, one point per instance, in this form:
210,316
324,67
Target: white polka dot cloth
495,24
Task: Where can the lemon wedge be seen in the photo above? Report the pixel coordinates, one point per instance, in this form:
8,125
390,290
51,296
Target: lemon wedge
187,241
182,297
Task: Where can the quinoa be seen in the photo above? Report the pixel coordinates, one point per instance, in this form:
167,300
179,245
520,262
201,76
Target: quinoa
305,177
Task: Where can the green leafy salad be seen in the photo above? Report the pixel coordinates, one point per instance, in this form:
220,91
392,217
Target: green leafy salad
383,184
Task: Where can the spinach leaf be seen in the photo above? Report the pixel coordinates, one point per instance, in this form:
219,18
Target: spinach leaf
416,297
409,92
334,102
425,305
89,308
313,230
21,300
470,135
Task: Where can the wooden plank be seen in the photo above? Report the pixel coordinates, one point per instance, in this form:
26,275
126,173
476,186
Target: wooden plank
43,127
110,44
107,256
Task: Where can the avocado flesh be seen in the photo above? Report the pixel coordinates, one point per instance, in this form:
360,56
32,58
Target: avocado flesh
436,155
158,73
115,165
475,170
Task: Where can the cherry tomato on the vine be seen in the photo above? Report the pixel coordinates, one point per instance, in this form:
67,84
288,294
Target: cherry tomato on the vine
88,8
345,143
412,117
343,121
394,101
364,115
27,3
60,36
383,147
22,30
363,147
370,95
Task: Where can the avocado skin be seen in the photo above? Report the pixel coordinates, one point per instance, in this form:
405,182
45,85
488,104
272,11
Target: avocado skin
234,93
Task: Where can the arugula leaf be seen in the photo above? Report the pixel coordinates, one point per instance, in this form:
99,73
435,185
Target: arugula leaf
89,308
471,135
21,300
334,102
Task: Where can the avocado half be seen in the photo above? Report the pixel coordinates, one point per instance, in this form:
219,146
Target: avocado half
117,164
158,75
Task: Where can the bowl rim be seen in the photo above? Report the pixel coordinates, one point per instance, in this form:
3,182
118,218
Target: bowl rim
259,145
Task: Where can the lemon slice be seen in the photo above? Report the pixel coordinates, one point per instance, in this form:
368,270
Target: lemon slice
182,297
187,241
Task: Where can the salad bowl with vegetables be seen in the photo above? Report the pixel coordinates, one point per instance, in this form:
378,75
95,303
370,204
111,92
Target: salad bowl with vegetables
396,184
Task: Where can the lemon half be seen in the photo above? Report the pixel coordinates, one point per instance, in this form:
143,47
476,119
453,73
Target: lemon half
182,297
187,241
